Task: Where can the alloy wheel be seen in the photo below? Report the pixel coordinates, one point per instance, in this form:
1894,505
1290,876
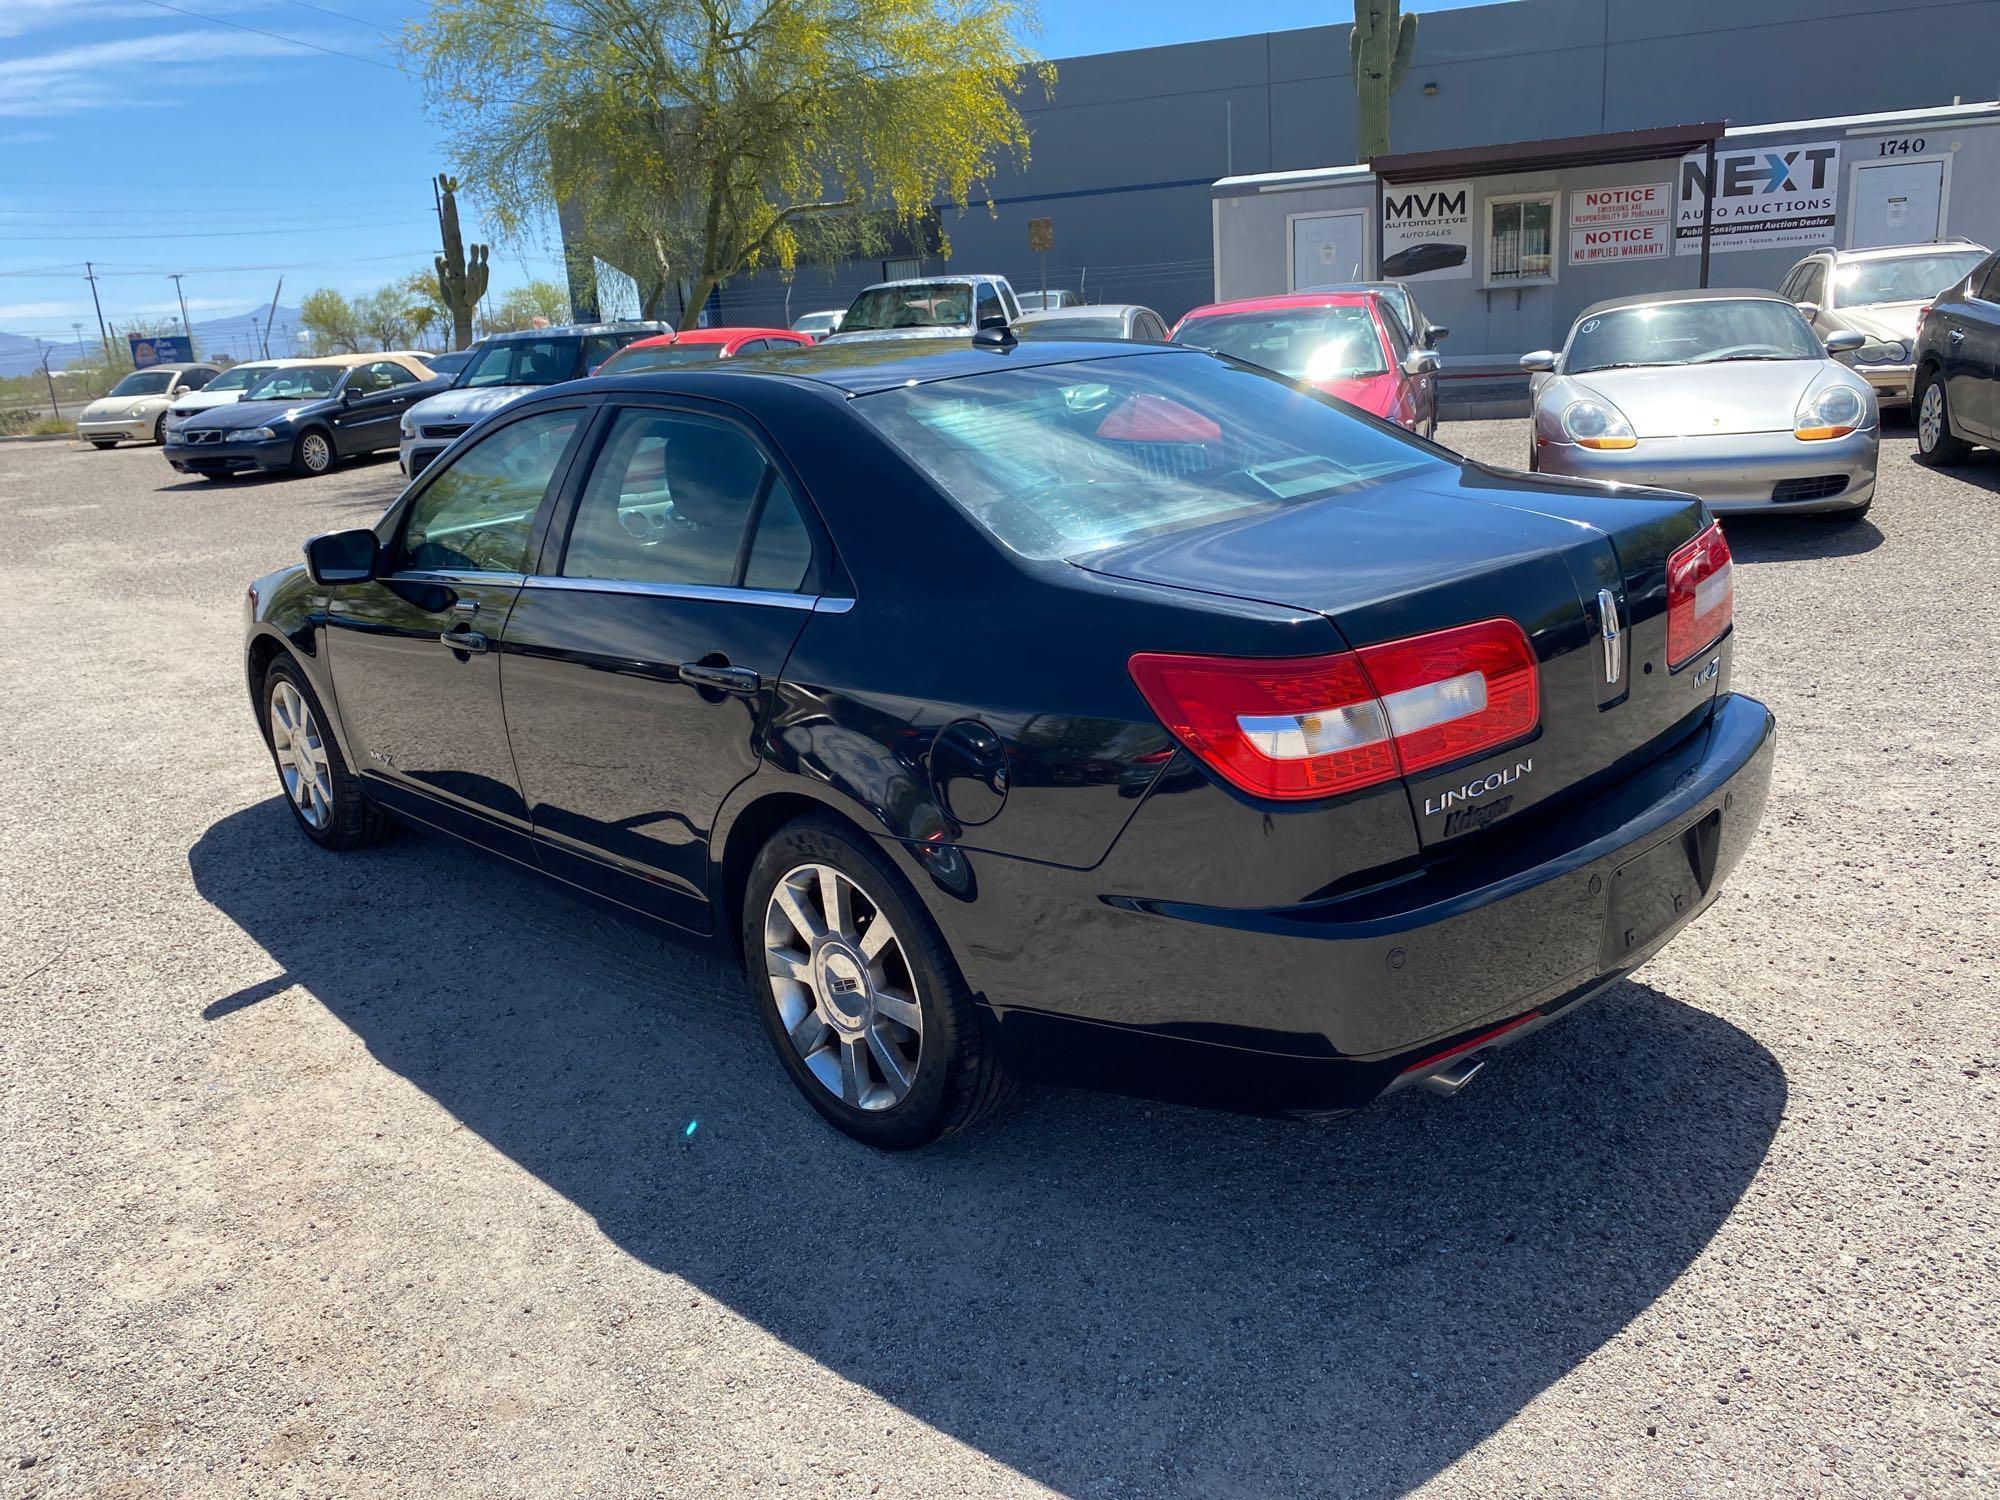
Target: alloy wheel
1930,417
301,755
843,987
315,452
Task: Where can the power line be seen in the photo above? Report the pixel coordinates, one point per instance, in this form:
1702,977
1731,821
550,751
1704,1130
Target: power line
344,16
373,62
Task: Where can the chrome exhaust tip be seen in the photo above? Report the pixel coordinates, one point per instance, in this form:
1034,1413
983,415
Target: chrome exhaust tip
1453,1076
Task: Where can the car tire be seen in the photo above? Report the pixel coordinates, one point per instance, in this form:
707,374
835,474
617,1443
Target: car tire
160,429
825,998
100,444
325,797
1943,449
313,453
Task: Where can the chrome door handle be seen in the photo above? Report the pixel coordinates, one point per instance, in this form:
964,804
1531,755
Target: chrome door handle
724,679
1956,335
461,639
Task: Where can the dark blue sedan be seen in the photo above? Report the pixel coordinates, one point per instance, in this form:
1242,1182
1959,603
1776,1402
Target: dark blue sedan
305,416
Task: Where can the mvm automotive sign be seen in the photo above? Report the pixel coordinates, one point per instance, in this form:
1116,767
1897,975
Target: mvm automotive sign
1764,196
1427,232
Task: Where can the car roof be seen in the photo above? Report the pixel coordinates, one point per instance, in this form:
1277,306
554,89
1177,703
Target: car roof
947,277
707,336
651,325
1892,252
1356,297
862,367
1685,294
180,364
1084,309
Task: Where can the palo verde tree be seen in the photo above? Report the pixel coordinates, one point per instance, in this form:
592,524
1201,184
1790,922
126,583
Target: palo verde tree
689,140
1380,45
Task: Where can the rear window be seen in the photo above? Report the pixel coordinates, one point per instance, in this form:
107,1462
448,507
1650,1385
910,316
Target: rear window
1306,343
1077,326
916,304
1061,460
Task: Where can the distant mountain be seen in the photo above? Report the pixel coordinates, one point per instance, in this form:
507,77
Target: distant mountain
237,336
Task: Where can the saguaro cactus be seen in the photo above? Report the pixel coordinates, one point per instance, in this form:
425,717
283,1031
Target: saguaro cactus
1380,45
461,279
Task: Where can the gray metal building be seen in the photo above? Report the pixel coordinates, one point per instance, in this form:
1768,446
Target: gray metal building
1128,146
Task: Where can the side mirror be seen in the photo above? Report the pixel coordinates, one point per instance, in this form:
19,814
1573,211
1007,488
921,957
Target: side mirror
349,394
342,556
1437,334
1807,310
1421,362
1846,341
993,320
1541,362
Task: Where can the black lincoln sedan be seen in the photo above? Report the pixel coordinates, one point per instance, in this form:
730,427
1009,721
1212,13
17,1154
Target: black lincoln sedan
1103,714
305,416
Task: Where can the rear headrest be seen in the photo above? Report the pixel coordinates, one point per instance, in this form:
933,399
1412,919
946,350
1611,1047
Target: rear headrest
712,478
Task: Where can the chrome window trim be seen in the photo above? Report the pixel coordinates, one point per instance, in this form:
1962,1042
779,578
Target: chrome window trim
418,575
720,593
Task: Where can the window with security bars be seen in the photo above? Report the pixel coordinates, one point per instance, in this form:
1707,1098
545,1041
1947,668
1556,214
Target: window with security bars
1520,240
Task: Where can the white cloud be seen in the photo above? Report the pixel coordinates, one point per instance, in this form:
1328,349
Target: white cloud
92,75
18,17
21,312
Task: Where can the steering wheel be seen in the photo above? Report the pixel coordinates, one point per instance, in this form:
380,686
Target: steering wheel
1735,349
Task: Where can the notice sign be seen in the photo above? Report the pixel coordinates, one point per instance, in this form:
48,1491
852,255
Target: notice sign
1427,232
1620,223
1766,196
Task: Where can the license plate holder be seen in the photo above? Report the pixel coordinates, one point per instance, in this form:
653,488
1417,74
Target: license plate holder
1646,896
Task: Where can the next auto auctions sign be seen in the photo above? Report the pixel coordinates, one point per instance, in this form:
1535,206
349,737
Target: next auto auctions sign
1619,223
1765,196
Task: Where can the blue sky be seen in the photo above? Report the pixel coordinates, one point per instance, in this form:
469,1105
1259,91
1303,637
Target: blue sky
235,140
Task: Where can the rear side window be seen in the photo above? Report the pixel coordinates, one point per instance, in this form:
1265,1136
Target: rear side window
1989,288
476,515
1061,460
671,499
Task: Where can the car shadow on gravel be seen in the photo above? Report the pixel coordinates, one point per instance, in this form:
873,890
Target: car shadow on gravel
1109,1296
1762,539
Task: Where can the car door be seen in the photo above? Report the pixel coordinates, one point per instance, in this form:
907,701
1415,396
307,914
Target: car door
643,655
373,398
1974,393
414,652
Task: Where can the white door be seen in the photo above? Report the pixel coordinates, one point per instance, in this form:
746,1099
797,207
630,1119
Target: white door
1327,248
1897,203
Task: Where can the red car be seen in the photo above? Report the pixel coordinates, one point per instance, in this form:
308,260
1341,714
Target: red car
666,351
1347,344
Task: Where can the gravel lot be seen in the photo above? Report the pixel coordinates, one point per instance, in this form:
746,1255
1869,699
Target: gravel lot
381,1175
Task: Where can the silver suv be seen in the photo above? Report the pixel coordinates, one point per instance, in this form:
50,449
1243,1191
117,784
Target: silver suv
1878,294
927,307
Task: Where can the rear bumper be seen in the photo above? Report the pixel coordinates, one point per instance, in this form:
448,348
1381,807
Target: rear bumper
1746,472
1321,1007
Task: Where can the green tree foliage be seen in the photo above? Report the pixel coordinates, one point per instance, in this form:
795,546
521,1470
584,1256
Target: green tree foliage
1380,47
538,304
695,139
330,322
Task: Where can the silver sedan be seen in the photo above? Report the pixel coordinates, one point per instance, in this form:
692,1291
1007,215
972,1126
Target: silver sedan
1728,395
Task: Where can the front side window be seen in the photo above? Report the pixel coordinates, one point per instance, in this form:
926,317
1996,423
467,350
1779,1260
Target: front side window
145,383
916,304
1900,278
194,380
1058,461
1691,333
1306,343
522,362
476,515
1520,240
1812,285
989,302
669,501
299,383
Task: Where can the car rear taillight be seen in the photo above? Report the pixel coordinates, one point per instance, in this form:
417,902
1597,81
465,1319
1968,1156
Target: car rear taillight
1701,596
1318,726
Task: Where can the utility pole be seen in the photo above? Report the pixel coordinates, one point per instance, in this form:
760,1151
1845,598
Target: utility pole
90,275
186,327
55,409
81,352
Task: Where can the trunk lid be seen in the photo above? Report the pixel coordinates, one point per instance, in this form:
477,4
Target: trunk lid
1409,558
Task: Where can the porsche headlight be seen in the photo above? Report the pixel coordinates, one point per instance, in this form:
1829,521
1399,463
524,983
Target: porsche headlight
1882,352
1832,411
1598,424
